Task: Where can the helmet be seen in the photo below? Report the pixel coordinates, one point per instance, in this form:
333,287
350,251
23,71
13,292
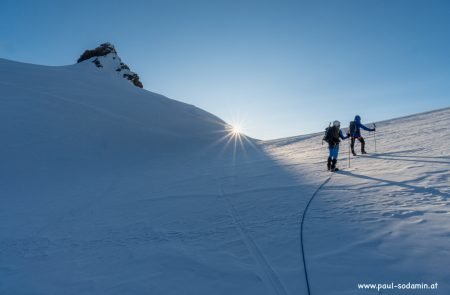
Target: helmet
337,123
357,118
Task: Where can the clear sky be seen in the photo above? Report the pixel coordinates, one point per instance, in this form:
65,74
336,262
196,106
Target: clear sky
283,68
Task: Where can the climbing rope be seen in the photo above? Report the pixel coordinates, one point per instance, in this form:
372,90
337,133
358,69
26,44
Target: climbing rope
301,231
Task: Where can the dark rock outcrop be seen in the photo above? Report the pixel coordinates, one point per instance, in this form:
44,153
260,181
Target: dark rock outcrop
105,49
102,50
134,78
97,63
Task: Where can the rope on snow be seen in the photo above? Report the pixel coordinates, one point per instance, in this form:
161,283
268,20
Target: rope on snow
301,230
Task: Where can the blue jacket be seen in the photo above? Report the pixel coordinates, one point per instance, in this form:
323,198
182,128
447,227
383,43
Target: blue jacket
341,135
360,126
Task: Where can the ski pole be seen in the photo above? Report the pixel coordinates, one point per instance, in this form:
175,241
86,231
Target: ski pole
348,154
375,136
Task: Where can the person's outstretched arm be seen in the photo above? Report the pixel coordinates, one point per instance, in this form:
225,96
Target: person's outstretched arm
365,128
341,135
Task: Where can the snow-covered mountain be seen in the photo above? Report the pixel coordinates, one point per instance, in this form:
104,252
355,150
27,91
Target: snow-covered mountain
107,188
71,118
105,57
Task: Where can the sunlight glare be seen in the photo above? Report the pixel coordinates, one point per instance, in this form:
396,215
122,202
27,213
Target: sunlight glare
236,129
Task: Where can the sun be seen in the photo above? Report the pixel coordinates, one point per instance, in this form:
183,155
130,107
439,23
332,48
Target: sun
233,140
236,129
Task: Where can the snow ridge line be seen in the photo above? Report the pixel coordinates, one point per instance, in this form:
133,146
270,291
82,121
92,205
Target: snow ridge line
269,273
301,231
89,107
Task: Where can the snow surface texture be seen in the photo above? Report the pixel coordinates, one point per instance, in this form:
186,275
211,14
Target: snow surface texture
110,189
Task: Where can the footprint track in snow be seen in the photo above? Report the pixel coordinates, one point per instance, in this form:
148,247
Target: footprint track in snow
267,271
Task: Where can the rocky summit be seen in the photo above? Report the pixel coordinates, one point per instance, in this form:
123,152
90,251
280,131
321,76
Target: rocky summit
107,54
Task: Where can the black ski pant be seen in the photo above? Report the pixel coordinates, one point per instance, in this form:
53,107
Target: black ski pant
363,144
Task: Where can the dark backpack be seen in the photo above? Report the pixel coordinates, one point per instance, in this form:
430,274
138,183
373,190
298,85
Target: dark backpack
352,128
330,134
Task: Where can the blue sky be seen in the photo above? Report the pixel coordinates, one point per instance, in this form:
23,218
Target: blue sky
283,68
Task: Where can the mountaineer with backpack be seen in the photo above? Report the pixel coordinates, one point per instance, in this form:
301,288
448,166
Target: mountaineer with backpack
332,135
355,133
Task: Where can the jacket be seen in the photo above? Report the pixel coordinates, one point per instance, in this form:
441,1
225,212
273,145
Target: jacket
358,127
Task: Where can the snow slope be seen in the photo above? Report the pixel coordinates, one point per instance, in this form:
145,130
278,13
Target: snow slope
387,218
110,189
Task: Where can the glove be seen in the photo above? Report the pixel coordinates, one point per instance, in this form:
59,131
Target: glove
374,129
348,134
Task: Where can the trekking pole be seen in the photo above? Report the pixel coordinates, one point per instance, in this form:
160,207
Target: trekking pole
348,154
375,136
